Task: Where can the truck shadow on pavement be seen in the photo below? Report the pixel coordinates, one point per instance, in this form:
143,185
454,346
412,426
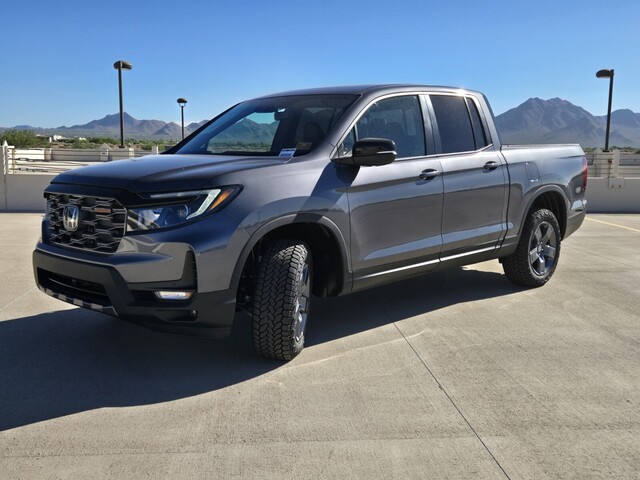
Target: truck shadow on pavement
338,317
71,361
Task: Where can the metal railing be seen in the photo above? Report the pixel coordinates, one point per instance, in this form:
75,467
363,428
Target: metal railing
53,160
57,160
614,164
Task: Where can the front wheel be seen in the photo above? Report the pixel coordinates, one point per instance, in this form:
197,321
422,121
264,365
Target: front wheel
281,301
536,257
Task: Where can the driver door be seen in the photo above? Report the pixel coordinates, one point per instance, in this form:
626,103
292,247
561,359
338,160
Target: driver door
396,209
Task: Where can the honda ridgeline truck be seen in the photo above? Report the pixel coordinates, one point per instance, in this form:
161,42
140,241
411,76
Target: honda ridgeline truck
316,192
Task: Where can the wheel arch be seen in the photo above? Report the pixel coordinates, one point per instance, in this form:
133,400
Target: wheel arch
552,198
324,238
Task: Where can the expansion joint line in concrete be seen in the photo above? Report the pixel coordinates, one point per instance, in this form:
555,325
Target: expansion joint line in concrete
444,390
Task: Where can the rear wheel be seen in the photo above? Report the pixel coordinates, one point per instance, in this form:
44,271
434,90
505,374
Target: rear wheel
281,301
536,258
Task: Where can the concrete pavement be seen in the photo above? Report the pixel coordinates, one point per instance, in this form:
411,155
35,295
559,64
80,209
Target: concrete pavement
454,375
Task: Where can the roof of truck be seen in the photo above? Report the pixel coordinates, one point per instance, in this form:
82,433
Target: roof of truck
367,89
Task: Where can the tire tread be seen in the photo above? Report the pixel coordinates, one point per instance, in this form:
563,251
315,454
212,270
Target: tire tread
516,266
275,299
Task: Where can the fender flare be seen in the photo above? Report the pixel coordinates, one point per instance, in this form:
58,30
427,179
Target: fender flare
292,219
536,195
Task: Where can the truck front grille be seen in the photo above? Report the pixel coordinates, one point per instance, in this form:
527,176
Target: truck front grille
99,226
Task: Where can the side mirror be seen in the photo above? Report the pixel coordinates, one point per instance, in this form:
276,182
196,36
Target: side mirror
371,152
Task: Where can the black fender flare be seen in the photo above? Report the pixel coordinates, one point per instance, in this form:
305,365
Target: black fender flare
536,195
292,219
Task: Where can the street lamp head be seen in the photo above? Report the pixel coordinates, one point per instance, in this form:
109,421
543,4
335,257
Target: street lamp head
605,73
122,65
182,101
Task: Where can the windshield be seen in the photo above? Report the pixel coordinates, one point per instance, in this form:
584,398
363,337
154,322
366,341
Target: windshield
277,126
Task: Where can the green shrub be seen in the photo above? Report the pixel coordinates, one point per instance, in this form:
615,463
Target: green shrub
23,139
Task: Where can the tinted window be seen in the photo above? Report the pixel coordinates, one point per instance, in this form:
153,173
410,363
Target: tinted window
478,129
398,119
454,125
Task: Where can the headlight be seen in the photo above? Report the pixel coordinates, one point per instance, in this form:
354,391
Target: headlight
178,207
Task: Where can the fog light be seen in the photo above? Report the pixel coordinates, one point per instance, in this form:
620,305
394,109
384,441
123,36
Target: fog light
173,295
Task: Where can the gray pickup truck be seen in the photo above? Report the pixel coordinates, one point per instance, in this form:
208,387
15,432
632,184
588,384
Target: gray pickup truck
316,192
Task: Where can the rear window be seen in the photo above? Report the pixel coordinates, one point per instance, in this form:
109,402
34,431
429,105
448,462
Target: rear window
454,124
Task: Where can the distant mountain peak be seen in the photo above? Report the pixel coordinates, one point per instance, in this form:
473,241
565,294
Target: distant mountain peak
556,120
109,126
625,118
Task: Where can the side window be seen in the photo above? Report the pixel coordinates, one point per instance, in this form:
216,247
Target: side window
478,130
398,119
454,124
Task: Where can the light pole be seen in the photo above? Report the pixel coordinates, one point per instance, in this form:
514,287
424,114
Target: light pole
121,65
182,102
607,73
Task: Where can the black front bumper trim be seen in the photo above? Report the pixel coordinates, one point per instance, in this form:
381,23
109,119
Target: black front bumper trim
101,288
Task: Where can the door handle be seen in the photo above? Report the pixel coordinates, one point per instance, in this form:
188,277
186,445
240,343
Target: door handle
429,174
491,165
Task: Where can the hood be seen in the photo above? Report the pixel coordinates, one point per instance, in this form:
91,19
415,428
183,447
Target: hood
159,173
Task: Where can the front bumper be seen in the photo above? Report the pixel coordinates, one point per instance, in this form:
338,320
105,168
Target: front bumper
101,287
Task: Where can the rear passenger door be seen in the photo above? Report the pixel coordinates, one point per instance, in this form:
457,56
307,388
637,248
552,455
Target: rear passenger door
474,178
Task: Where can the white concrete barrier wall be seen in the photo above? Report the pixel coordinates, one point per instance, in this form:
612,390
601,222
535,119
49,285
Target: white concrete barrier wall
30,153
24,192
121,153
613,195
79,154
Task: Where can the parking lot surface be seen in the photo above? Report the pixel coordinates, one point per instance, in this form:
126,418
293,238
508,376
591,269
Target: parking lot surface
454,375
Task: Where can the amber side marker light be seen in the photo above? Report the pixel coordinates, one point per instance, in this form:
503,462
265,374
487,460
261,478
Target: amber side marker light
225,194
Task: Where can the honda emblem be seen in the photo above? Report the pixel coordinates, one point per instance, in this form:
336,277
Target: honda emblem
70,218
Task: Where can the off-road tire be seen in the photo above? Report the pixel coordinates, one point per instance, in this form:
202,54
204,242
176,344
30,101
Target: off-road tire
536,257
281,300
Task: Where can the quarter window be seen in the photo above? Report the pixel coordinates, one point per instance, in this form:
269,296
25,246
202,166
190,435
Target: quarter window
478,130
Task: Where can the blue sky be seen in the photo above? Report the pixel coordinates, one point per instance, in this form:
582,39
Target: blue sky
57,57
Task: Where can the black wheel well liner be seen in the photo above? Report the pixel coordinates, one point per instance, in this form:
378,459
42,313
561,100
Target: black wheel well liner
329,261
554,201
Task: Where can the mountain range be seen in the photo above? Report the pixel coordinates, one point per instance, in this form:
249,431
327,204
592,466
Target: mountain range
534,121
559,121
109,126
